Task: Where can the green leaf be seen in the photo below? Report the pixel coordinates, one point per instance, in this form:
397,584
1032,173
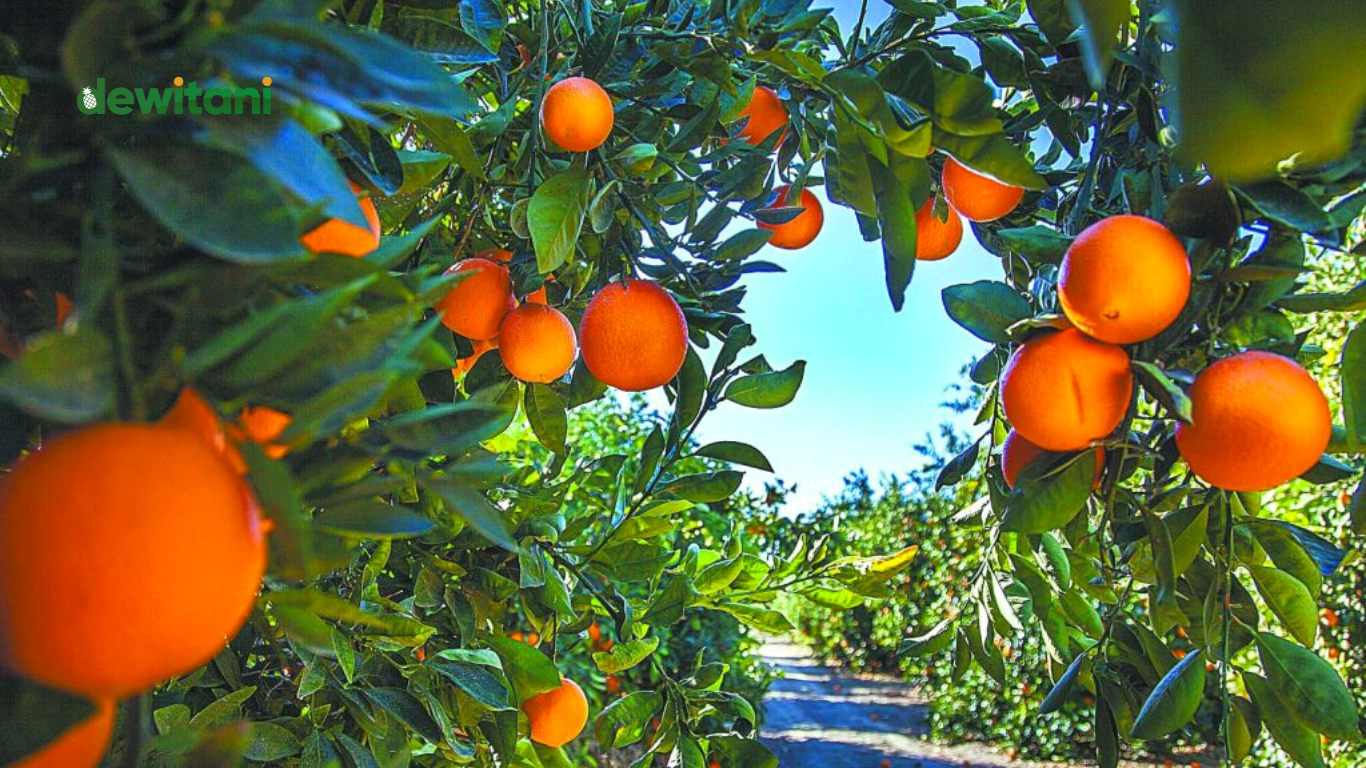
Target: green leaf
1173,702
64,377
624,656
986,308
269,743
735,453
1163,389
993,155
772,389
1290,600
1244,728
1062,690
936,640
834,599
546,414
1107,734
1312,689
706,486
1044,503
1038,243
373,519
898,190
1300,743
34,716
1100,22
208,206
623,722
474,679
476,509
762,619
1286,205
1262,80
1353,300
958,467
406,709
556,216
1352,369
528,670
224,710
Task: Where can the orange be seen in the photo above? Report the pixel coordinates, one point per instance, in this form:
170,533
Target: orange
1062,390
613,684
537,343
799,232
465,364
517,635
262,425
127,556
337,236
81,746
978,196
64,307
500,255
594,632
557,717
476,306
576,114
935,239
765,114
193,414
1018,453
1124,279
633,335
1259,420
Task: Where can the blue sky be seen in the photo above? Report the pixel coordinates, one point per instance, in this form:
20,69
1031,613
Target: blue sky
875,378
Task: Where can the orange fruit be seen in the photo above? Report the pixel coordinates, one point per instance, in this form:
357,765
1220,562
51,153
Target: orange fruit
337,236
533,639
935,239
799,232
499,255
613,684
1124,279
537,343
576,114
476,306
1064,389
633,336
193,414
128,555
594,632
465,364
64,307
976,195
1018,453
517,635
557,717
262,425
765,114
81,746
1259,420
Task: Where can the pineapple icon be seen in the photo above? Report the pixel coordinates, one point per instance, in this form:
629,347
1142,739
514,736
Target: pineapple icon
87,98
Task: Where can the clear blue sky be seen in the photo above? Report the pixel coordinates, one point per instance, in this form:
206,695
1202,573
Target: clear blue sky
875,378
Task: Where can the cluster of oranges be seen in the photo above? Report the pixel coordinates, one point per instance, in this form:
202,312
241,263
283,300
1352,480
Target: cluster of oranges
129,554
969,194
633,333
1258,419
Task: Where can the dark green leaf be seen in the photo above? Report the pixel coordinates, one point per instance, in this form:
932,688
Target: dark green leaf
1310,686
735,453
1173,702
556,216
986,308
1040,503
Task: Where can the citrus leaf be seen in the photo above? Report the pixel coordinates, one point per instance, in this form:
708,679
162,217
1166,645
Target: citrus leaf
1173,702
773,389
1300,743
1312,690
986,308
556,216
624,656
735,453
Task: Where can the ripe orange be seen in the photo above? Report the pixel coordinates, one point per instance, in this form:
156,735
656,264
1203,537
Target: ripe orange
633,336
499,255
557,717
1018,453
81,746
64,307
935,239
517,635
613,684
1260,420
337,236
464,364
576,114
799,232
476,306
1124,279
1064,389
537,343
976,195
765,114
594,632
193,414
128,555
262,425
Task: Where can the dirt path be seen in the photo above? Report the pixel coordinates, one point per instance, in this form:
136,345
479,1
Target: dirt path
821,717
